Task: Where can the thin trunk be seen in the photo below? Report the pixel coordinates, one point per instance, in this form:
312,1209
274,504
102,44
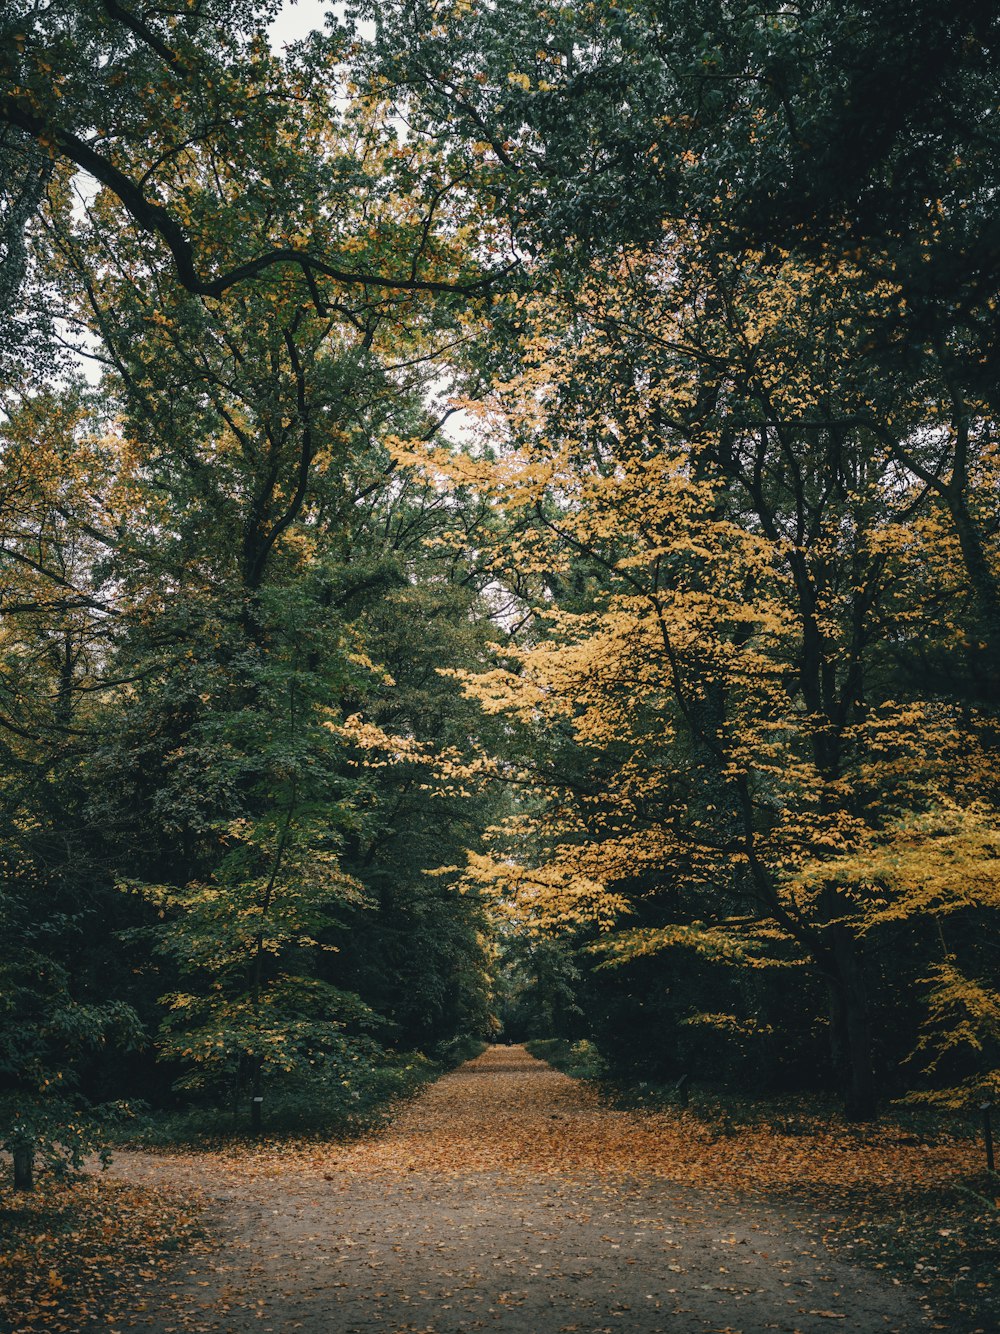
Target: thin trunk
984,588
257,1097
24,1167
850,1028
237,1087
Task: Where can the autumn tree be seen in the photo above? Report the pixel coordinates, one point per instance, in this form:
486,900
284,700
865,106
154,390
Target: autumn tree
845,140
846,129
125,94
723,285
702,443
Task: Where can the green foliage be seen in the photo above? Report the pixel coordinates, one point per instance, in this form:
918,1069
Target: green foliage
579,1059
206,555
833,128
47,1033
340,1097
453,1052
537,989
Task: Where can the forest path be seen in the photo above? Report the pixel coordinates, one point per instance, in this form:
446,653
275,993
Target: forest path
505,1199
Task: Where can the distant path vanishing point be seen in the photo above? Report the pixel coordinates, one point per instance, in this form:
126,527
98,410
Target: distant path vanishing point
506,1199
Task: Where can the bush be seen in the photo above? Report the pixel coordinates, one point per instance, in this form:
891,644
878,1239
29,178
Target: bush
580,1059
456,1051
329,1106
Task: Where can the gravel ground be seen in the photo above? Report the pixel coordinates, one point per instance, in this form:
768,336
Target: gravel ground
466,1215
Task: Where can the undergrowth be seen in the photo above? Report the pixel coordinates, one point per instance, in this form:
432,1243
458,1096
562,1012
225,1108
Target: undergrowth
331,1110
581,1059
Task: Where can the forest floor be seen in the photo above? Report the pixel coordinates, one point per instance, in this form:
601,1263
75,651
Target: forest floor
507,1198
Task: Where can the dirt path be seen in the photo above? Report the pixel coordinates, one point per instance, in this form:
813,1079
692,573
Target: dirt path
504,1199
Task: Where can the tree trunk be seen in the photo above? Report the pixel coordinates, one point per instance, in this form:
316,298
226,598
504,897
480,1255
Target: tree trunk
850,1028
24,1167
986,651
257,1098
237,1089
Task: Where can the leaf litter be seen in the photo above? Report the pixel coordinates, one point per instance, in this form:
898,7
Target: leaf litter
509,1197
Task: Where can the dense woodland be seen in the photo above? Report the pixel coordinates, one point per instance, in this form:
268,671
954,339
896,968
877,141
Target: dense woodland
498,538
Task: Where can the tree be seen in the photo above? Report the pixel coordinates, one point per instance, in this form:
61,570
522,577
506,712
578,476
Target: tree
423,958
699,441
240,433
58,1012
852,129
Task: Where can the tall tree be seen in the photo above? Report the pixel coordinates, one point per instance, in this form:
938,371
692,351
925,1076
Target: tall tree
239,422
699,440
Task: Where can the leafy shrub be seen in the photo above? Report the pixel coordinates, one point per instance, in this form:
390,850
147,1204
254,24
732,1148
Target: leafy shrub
321,1103
581,1060
456,1051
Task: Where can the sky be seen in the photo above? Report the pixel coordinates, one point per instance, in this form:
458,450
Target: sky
297,18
